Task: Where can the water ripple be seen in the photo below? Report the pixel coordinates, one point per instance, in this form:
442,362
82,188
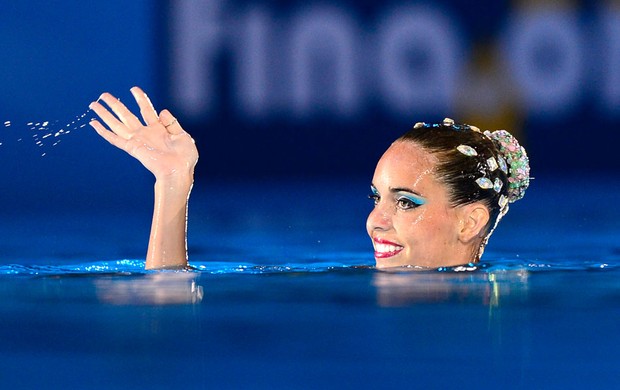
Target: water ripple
134,266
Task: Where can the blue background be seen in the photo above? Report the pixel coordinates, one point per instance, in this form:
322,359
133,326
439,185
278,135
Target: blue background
57,57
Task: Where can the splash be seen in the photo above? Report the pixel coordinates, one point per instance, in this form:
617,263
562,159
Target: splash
45,133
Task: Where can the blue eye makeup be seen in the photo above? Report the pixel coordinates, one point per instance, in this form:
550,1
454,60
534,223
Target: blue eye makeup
403,198
408,201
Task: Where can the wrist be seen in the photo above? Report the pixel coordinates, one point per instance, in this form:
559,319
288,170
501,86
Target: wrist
177,182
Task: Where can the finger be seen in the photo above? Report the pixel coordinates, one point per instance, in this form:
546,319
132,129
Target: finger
113,123
170,122
146,107
126,116
109,136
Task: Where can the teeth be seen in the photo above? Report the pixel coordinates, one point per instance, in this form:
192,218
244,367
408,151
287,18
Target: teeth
386,248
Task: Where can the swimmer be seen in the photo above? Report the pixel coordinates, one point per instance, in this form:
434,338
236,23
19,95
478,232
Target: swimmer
439,191
165,149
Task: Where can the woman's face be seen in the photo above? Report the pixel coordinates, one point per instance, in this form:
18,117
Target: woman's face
412,222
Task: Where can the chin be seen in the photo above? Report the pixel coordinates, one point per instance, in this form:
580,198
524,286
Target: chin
399,263
393,263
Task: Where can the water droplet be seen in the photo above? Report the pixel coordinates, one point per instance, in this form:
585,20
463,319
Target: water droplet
7,123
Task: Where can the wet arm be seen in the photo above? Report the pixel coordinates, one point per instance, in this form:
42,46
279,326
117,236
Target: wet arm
165,149
168,239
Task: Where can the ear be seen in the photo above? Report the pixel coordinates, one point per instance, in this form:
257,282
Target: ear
473,218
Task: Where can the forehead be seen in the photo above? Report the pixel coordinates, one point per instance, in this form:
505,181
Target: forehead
405,164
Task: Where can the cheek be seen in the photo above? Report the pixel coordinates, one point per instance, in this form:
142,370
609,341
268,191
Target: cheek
428,225
418,221
414,227
421,218
441,225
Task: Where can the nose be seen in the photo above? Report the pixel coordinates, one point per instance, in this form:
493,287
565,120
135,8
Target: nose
378,219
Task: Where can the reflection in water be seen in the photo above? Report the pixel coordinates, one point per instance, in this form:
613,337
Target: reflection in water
406,288
163,288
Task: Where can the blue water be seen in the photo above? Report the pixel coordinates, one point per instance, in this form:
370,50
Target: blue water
283,295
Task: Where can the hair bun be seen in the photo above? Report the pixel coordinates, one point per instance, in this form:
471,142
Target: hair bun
517,161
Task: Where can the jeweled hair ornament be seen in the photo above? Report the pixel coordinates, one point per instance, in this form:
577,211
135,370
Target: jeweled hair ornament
518,164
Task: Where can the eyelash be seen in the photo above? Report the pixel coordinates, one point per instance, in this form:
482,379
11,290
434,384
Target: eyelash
403,202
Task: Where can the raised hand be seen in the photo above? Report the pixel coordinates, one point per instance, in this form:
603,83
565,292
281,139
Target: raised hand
160,144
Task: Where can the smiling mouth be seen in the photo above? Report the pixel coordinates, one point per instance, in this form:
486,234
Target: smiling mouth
384,249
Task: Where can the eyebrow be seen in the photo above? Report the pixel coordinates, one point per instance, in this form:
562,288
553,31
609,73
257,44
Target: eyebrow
401,189
405,189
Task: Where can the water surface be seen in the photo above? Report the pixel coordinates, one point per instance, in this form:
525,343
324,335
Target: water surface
283,294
